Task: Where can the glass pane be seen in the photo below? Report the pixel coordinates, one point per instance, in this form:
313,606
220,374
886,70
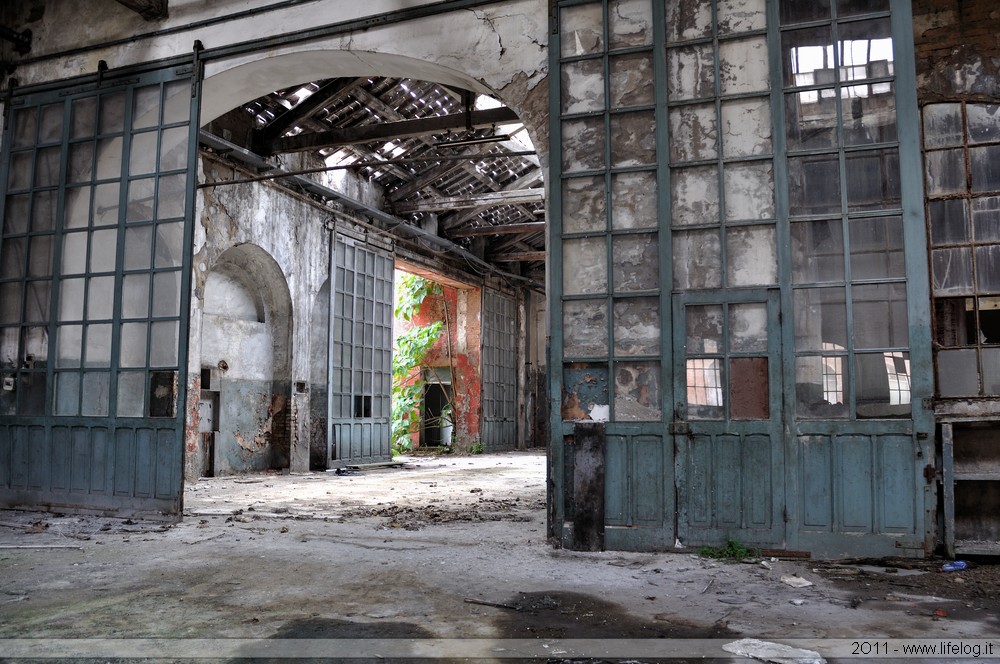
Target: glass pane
749,392
106,204
631,80
43,213
944,172
50,128
820,382
704,389
817,251
877,248
171,196
98,346
20,171
820,319
140,200
146,107
694,196
749,189
693,133
743,66
71,296
688,19
988,269
991,371
697,260
585,392
581,30
873,179
585,328
955,321
138,247
741,16
958,373
109,158
84,122
40,256
176,102
633,139
584,205
36,348
704,329
69,347
636,262
949,221
112,112
583,144
131,393
67,393
16,215
690,72
746,127
807,56
143,159
12,258
985,168
74,259
166,294
10,306
943,125
163,341
852,7
173,148
77,208
133,345
796,11
883,384
103,250
748,327
47,167
869,116
585,266
633,198
81,162
631,23
637,326
583,86
952,270
95,393
880,319
752,256
814,184
637,392
25,126
100,298
986,218
36,305
984,122
135,296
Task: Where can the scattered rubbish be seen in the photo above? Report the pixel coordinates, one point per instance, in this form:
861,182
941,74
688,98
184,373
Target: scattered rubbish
475,490
482,602
796,581
769,651
940,613
678,544
798,602
708,586
284,529
856,602
765,564
41,546
953,566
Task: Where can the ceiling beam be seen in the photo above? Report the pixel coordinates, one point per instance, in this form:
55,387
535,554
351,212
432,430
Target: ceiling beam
520,257
501,229
151,10
383,131
487,199
325,95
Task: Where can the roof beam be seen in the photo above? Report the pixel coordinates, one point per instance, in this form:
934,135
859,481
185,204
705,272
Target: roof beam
501,229
383,131
151,10
327,92
487,199
520,257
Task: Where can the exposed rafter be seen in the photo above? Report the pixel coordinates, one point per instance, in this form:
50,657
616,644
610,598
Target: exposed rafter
488,199
327,93
521,257
501,229
151,10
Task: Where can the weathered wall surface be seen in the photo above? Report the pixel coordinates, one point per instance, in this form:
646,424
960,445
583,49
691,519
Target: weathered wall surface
957,49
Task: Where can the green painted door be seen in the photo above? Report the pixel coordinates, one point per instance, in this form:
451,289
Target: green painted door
728,418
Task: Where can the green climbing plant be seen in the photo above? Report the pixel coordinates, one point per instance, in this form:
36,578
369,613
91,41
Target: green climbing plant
409,353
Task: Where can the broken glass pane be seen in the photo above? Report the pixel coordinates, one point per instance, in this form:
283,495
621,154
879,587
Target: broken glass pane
694,196
882,382
697,260
704,389
749,392
637,326
637,392
635,262
704,329
743,66
989,319
958,373
752,256
820,316
583,86
880,319
586,392
943,125
749,188
955,321
952,270
631,80
633,200
583,144
872,179
693,133
949,221
985,165
741,16
986,218
585,328
585,266
877,248
584,205
633,139
984,122
581,30
69,346
690,72
814,184
631,23
988,268
817,251
820,382
748,327
688,19
944,172
746,127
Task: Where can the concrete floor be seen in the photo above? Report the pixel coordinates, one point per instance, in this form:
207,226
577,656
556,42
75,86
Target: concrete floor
439,548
